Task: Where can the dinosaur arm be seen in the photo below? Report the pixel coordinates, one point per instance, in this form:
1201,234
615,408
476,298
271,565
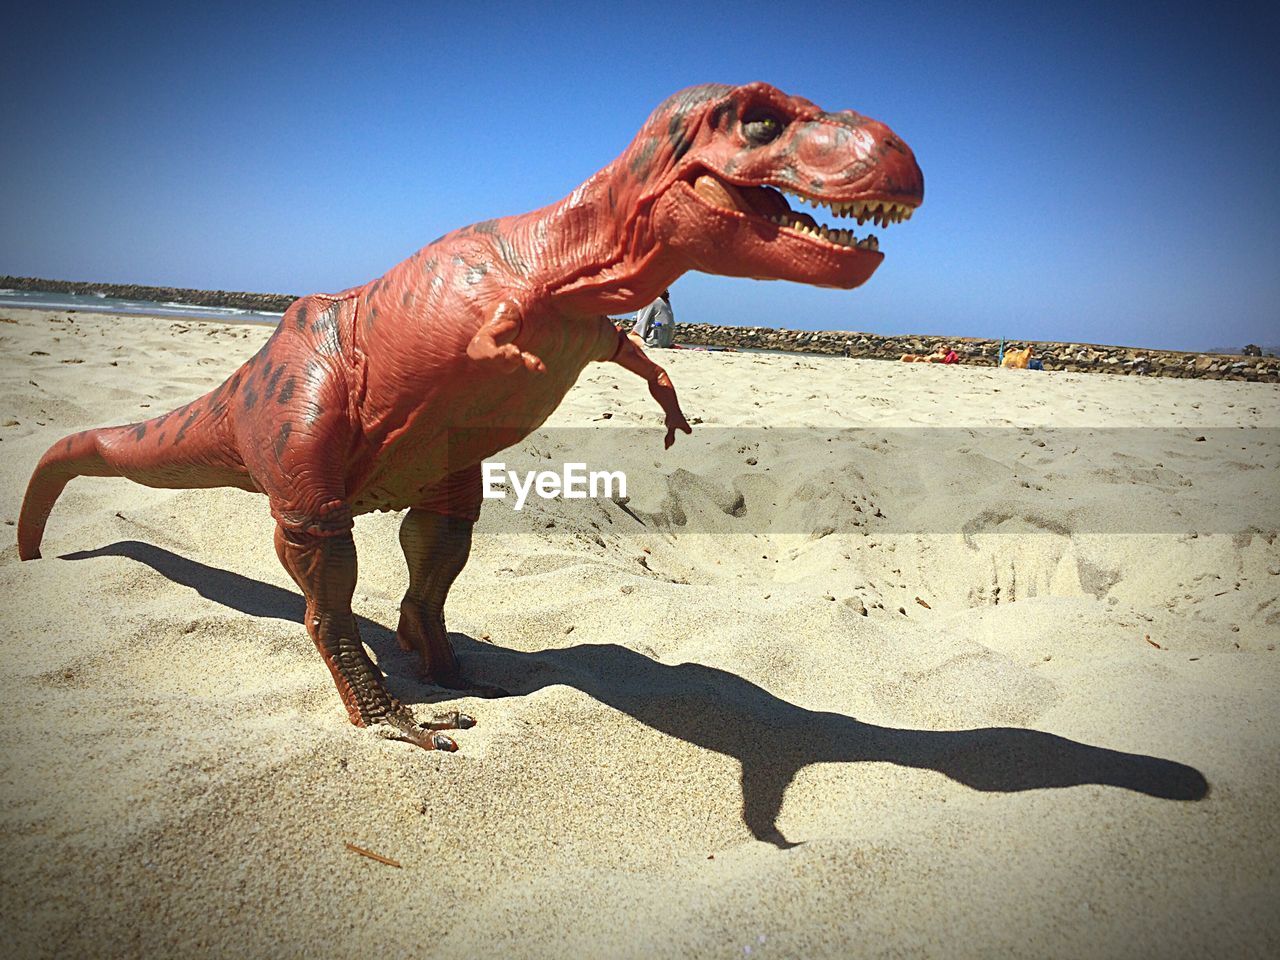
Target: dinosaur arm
493,342
631,357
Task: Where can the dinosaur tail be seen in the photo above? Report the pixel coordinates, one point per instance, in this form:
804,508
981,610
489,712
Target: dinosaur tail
189,447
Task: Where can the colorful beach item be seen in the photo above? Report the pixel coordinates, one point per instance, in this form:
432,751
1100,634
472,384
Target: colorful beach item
389,395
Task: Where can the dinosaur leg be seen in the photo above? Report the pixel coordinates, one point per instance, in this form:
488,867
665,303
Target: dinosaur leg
292,446
324,567
436,538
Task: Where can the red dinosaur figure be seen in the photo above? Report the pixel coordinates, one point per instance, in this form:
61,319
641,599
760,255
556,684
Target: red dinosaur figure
370,399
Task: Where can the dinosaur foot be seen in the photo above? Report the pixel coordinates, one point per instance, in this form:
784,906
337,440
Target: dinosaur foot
402,725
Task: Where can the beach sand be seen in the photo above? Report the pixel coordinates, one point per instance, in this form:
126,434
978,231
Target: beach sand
724,743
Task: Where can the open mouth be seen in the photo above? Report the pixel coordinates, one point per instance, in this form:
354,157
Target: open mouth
771,204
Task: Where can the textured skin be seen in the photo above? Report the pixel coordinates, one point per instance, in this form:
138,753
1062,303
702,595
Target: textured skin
389,395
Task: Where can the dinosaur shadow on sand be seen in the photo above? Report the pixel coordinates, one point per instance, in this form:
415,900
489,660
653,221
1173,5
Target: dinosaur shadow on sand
717,710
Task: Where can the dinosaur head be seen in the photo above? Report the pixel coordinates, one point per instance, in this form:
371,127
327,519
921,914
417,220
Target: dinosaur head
730,171
718,180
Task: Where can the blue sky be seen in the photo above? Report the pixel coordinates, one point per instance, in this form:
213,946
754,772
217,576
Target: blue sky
1093,171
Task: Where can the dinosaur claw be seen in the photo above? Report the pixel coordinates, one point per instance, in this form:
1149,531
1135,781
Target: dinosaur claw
401,725
440,742
452,720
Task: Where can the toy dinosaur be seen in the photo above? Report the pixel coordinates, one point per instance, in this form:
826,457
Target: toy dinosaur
390,395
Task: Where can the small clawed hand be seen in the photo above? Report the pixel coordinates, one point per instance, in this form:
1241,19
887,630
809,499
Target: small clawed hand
662,390
675,423
493,342
507,357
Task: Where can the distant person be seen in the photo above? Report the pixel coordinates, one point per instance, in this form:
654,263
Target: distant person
655,324
943,354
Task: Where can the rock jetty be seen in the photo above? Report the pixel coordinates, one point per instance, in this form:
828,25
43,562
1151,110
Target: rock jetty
267,302
1073,357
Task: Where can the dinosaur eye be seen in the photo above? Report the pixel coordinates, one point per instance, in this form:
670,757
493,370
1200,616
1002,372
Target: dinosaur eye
761,128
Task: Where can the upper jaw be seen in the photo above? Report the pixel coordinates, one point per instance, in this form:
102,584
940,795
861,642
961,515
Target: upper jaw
880,209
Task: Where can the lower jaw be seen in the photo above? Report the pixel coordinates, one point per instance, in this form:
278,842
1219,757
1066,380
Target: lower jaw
763,259
754,246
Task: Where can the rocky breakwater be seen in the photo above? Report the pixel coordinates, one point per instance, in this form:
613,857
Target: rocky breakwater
264,302
1073,357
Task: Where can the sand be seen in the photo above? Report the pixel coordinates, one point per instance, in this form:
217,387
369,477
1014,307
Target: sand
743,736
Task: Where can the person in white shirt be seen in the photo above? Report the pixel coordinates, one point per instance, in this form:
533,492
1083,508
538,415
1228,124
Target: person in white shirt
655,324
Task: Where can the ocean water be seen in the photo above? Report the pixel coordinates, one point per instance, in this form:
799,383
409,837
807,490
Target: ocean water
100,303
